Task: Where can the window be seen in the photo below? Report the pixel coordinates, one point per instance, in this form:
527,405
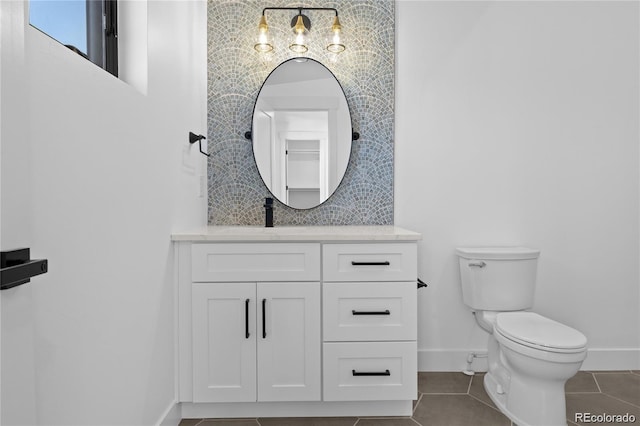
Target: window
88,27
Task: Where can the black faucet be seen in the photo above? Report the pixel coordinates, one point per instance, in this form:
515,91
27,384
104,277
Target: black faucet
268,212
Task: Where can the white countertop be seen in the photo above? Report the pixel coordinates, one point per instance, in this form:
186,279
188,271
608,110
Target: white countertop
298,233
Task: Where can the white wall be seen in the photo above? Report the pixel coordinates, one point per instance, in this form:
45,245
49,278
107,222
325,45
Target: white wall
17,375
517,123
112,174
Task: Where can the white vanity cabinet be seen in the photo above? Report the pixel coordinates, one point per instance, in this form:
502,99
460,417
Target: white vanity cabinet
307,321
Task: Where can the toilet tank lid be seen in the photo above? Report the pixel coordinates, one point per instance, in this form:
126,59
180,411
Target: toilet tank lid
497,253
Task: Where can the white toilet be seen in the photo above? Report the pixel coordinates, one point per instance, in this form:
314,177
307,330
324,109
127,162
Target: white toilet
530,357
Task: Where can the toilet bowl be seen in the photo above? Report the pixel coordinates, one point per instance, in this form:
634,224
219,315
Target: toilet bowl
530,357
533,358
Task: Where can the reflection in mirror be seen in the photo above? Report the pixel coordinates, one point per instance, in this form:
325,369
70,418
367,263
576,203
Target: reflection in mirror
301,133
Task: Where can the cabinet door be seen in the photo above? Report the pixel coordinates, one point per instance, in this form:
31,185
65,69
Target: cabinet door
288,341
224,342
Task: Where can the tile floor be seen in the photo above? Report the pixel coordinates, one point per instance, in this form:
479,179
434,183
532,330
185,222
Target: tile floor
453,399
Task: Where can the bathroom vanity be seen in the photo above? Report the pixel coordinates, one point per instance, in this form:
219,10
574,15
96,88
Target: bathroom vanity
296,321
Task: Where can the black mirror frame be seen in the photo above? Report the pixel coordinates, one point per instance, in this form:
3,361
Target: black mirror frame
249,134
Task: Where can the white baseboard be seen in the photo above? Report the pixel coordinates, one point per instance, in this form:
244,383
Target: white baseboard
177,411
597,359
297,409
171,416
450,360
612,359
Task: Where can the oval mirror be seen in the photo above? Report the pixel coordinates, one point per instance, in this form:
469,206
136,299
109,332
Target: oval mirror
301,133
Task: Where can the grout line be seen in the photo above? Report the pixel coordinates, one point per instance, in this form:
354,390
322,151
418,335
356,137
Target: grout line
417,403
357,421
470,381
392,418
621,400
488,405
416,422
596,380
446,393
481,401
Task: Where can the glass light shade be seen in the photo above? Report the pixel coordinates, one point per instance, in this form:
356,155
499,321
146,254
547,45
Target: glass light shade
264,42
299,42
335,37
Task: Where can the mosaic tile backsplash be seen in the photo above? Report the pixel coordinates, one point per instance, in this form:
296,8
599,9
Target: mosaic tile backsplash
235,75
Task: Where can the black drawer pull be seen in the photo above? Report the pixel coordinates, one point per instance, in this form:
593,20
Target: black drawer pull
371,373
264,318
384,263
246,319
385,312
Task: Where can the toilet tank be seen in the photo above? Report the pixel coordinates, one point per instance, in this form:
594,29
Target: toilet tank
498,278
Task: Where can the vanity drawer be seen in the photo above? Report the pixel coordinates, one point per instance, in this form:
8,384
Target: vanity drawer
255,262
370,262
369,311
370,371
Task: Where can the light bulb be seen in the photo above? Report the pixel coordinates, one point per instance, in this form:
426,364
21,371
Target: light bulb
264,43
335,39
299,43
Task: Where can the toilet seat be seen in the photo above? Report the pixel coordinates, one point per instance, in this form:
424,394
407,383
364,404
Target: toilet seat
537,332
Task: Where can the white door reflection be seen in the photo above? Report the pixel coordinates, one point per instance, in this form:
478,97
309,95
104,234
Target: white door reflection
297,144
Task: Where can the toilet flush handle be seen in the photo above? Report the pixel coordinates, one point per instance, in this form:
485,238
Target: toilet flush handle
477,264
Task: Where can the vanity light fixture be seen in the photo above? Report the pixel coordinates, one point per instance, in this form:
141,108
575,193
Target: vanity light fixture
300,25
